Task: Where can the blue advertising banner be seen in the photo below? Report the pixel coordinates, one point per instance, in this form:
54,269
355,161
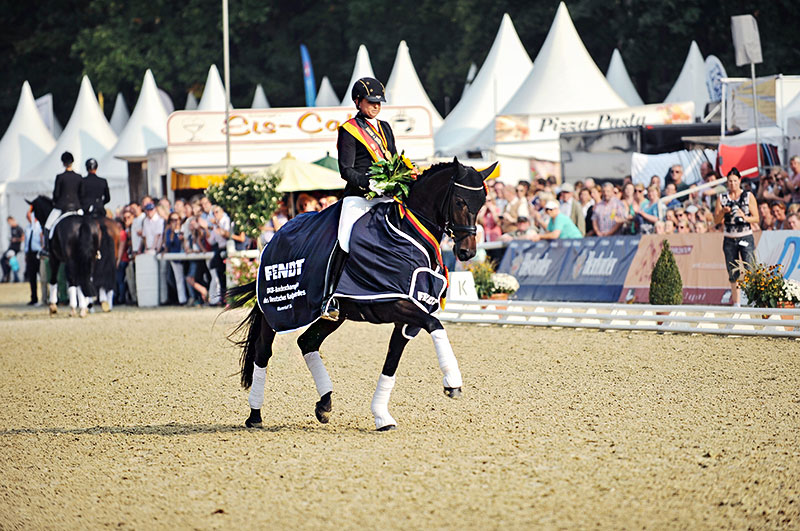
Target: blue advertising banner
308,77
587,270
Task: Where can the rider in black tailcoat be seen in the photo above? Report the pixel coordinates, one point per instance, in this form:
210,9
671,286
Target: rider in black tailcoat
66,195
362,140
94,192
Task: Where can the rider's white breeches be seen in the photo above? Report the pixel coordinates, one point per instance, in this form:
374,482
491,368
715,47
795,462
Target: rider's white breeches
354,207
52,218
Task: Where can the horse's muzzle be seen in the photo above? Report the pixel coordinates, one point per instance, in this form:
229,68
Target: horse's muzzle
465,254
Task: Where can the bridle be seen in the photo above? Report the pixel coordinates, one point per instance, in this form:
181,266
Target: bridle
458,232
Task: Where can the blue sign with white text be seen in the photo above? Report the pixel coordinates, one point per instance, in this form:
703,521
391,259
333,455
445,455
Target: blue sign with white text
586,270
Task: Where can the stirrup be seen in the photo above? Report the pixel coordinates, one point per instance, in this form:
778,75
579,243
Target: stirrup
330,311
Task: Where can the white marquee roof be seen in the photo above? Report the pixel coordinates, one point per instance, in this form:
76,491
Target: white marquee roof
87,134
564,78
405,88
362,68
260,99
213,98
120,114
146,129
27,141
620,81
326,97
503,71
473,69
191,102
691,82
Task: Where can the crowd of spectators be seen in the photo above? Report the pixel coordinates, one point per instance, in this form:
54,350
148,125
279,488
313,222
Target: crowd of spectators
541,209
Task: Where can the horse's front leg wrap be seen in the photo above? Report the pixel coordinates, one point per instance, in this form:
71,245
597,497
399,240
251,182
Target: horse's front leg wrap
380,402
53,293
447,359
256,398
318,371
72,291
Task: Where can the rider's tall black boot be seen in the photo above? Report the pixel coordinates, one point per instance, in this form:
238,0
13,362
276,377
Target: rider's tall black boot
330,307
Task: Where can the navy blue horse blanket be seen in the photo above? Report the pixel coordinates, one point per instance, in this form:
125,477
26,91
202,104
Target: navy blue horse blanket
392,257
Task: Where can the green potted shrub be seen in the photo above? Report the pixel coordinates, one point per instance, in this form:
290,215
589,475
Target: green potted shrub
666,286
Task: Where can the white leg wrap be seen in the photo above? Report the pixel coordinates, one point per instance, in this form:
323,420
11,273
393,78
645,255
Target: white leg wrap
318,371
110,299
83,300
256,398
72,291
447,359
53,293
380,402
101,295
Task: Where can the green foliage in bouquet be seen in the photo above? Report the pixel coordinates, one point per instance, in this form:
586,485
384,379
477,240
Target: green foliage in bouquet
392,177
764,285
666,286
249,200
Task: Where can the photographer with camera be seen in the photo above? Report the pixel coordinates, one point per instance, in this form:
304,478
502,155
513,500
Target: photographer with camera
737,209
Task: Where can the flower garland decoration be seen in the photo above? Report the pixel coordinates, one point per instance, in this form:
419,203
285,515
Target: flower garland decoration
249,199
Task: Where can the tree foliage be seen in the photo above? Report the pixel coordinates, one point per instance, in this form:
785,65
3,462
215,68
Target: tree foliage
115,42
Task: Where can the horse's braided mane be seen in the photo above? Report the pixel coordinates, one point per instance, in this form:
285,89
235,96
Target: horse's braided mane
436,167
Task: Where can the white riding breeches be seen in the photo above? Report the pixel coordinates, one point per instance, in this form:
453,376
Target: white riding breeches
51,219
354,207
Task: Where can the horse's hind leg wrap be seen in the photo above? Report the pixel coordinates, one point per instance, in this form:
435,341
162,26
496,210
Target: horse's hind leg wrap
256,397
447,359
380,402
53,293
319,372
73,296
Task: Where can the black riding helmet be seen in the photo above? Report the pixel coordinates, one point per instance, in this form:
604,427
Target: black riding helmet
91,165
67,158
368,88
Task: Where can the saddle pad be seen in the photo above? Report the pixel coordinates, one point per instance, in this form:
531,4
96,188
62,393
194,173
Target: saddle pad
291,273
389,260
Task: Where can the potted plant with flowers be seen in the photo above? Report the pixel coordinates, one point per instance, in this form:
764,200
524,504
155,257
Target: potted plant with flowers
765,287
490,284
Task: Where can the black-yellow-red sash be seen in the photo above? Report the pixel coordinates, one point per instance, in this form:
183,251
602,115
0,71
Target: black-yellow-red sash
428,240
374,141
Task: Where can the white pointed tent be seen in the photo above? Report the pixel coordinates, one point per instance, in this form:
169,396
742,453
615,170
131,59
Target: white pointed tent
503,71
213,98
120,114
146,129
87,135
260,99
26,142
326,97
362,68
191,102
691,82
564,78
405,88
620,81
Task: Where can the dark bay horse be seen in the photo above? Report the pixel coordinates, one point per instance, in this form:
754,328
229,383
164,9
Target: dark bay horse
445,199
75,241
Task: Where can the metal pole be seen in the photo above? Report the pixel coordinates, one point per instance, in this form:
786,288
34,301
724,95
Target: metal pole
755,114
226,59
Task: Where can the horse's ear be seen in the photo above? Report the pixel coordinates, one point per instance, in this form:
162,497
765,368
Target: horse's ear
455,160
486,173
29,202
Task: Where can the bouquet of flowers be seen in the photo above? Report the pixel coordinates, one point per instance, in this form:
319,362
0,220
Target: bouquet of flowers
765,286
391,177
504,283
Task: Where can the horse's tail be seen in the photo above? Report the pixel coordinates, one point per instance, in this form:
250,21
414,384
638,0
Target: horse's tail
248,332
86,253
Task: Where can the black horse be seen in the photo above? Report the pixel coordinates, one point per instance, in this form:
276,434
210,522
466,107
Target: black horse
445,199
74,242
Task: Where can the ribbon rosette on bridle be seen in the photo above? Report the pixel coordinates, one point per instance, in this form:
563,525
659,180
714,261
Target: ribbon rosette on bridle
391,177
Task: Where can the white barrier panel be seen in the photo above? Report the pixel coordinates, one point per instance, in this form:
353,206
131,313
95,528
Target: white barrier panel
147,280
